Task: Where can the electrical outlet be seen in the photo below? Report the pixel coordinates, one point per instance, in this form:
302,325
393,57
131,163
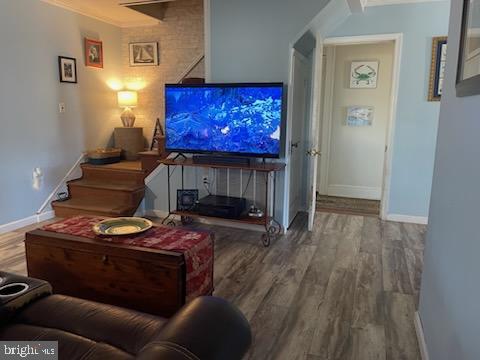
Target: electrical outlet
61,108
205,179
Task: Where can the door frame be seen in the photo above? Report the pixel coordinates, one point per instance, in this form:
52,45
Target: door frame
325,121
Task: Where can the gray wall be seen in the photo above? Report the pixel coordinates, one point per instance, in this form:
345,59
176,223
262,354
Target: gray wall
417,119
33,133
450,293
250,41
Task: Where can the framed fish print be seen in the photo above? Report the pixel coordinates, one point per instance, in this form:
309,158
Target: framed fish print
363,75
67,68
93,53
143,54
437,68
468,71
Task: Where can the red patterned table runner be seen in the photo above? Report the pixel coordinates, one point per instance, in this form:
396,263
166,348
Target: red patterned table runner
196,247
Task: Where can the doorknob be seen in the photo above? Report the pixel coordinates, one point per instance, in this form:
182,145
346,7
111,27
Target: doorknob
314,152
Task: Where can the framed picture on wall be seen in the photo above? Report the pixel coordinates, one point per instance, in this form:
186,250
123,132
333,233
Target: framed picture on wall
363,74
468,71
437,68
359,115
93,53
67,68
143,54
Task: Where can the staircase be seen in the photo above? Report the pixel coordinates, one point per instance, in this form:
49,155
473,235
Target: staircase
106,190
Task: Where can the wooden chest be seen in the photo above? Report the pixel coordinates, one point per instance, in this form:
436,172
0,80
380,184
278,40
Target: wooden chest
143,279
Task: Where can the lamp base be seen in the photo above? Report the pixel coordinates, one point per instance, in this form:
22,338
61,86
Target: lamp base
128,117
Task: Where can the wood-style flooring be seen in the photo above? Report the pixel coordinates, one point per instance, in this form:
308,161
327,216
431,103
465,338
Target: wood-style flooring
344,205
348,290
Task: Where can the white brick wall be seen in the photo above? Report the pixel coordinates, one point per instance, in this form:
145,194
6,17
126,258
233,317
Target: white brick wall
180,38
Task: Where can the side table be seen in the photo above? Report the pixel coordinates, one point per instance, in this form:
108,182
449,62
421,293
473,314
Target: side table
130,140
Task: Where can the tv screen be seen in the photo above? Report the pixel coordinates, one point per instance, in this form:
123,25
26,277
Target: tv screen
236,119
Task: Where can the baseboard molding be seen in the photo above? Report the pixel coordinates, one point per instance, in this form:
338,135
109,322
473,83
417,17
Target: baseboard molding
162,214
420,336
34,219
361,192
423,220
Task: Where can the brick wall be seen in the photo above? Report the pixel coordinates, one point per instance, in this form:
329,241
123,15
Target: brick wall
180,38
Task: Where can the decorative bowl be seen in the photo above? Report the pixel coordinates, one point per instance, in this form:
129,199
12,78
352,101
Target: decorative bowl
122,226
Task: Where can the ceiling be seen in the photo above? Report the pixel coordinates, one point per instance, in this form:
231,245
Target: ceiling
108,11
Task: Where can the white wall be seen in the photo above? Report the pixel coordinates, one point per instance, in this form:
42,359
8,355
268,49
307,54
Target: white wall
450,292
33,133
357,153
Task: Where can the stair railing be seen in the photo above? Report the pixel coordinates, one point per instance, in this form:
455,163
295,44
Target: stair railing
62,183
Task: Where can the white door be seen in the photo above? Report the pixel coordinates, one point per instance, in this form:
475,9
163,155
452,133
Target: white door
297,145
313,128
357,151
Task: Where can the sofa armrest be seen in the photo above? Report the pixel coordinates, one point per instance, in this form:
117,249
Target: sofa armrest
208,328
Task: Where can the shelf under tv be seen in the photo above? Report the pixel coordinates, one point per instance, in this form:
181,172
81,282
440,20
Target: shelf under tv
272,227
244,219
260,166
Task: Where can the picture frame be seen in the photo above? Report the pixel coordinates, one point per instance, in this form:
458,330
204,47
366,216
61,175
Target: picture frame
143,53
93,53
437,68
186,199
359,115
67,69
468,66
364,74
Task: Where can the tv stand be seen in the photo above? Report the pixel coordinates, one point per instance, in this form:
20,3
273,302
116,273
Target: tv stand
267,220
221,160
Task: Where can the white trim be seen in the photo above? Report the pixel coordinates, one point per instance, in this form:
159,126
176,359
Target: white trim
207,40
288,139
370,39
351,191
61,183
420,336
162,214
423,220
101,17
34,219
197,60
396,2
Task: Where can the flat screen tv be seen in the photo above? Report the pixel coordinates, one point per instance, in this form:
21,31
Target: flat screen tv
224,119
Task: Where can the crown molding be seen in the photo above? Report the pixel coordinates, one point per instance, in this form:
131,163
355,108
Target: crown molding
101,17
396,2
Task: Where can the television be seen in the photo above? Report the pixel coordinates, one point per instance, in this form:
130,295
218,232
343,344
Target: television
224,119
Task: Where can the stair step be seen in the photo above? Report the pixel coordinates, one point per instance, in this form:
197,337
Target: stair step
125,171
73,207
112,185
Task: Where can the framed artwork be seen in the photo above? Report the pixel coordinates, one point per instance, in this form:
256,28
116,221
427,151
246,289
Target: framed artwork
143,54
67,68
363,74
359,115
437,68
468,71
93,53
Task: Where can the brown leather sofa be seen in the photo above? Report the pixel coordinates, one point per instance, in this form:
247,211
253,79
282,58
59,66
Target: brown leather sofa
207,328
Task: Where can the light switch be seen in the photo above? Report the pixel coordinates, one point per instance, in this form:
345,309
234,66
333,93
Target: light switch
61,108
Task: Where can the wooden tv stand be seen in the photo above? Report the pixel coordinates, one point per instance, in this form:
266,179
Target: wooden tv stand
272,226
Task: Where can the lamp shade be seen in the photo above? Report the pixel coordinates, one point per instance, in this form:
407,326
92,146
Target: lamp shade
127,98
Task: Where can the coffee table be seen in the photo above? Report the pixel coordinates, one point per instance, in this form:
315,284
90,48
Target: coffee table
128,273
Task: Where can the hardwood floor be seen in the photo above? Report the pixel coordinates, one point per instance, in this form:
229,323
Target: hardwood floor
348,290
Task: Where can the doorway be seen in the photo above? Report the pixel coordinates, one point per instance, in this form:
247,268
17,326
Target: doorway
358,101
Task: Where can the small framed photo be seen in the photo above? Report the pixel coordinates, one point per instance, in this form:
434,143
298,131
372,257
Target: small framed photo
93,53
363,75
68,69
143,54
437,68
359,116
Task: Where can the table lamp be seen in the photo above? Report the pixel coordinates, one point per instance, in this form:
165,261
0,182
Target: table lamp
127,100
